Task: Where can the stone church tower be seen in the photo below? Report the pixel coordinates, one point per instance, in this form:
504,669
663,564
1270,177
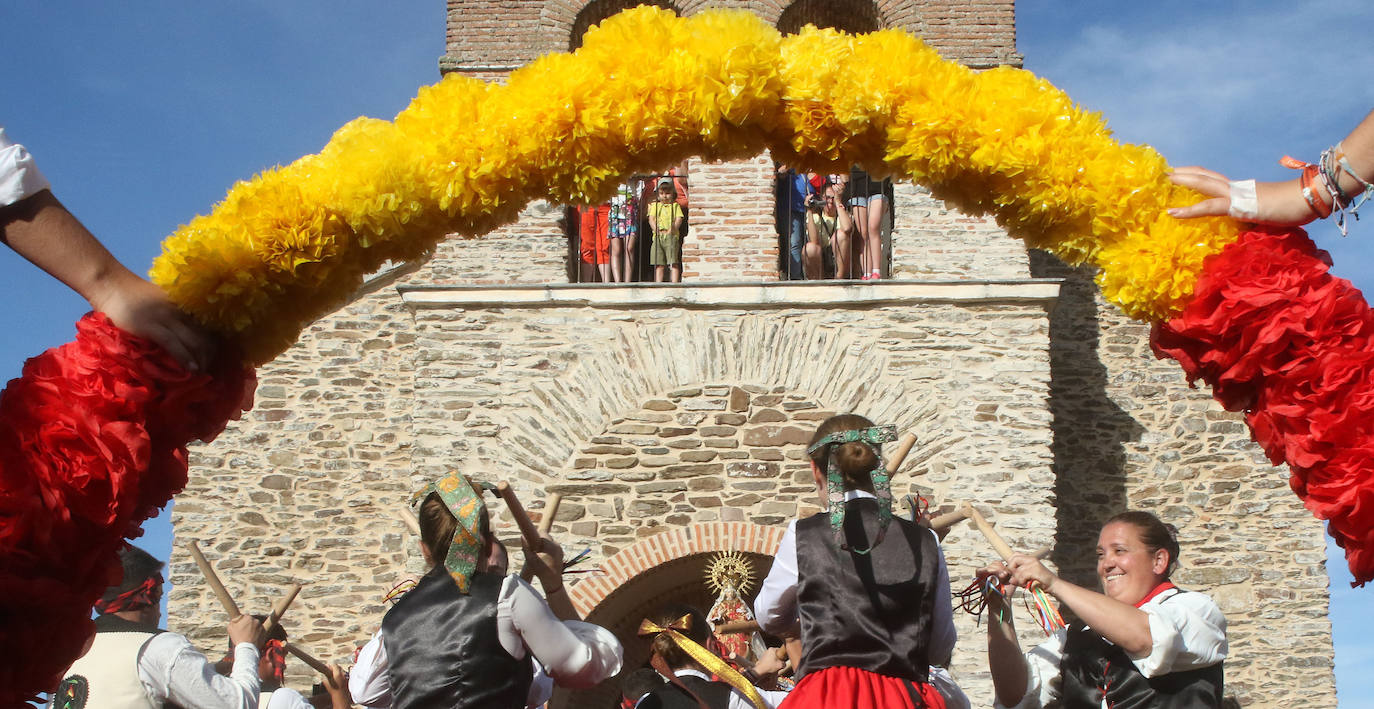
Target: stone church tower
673,418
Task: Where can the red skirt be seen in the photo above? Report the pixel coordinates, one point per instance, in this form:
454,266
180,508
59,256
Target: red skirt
853,688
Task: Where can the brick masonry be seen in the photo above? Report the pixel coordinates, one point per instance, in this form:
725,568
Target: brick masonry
671,418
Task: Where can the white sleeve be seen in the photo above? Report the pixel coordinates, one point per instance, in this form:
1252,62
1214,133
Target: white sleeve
576,654
775,606
287,699
1042,674
771,698
370,681
541,687
943,634
19,176
177,673
1188,632
944,683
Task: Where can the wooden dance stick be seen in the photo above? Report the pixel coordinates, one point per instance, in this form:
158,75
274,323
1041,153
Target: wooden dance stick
212,578
408,519
738,626
308,659
904,445
522,519
998,543
944,522
279,608
550,511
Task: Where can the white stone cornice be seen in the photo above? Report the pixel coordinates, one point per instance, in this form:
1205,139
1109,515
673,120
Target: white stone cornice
781,294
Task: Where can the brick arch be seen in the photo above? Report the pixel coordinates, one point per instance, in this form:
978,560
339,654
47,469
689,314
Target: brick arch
565,22
645,555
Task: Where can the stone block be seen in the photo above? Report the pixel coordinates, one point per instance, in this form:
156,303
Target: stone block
674,472
739,399
776,436
622,463
730,419
698,456
767,416
660,405
751,469
275,482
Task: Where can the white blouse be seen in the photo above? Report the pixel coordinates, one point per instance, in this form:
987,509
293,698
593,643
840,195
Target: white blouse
574,654
1188,633
19,176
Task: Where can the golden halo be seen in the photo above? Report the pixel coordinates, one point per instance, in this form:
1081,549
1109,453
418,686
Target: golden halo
729,568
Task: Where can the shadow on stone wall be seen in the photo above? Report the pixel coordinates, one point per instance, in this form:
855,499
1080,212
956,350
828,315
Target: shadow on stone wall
1090,430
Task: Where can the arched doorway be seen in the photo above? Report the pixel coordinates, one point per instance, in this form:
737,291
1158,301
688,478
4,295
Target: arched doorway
665,568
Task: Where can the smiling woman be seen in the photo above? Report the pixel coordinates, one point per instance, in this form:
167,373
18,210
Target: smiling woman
1141,642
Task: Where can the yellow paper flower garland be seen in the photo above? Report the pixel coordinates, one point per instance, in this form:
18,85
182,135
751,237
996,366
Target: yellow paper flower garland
294,242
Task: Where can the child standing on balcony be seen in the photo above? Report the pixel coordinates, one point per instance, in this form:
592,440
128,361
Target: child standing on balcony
869,590
665,219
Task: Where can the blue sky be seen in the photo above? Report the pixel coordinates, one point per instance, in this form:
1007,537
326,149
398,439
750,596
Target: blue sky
143,114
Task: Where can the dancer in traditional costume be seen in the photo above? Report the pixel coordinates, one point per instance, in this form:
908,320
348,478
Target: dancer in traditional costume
1143,642
272,674
468,635
679,635
870,590
133,663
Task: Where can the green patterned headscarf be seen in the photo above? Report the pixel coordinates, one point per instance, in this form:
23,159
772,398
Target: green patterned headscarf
463,499
873,438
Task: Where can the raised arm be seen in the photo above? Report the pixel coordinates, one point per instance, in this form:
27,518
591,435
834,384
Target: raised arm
36,225
1280,203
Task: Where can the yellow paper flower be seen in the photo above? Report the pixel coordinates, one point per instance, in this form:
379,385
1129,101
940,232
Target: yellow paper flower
294,242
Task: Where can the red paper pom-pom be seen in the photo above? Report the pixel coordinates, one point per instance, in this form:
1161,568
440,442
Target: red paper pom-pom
1276,335
93,441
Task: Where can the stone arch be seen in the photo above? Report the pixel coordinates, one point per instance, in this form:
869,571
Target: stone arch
829,363
852,16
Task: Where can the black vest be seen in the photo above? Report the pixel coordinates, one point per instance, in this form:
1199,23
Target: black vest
1091,663
444,650
869,611
670,696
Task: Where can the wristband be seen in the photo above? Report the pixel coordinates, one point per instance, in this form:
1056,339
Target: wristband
1244,201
